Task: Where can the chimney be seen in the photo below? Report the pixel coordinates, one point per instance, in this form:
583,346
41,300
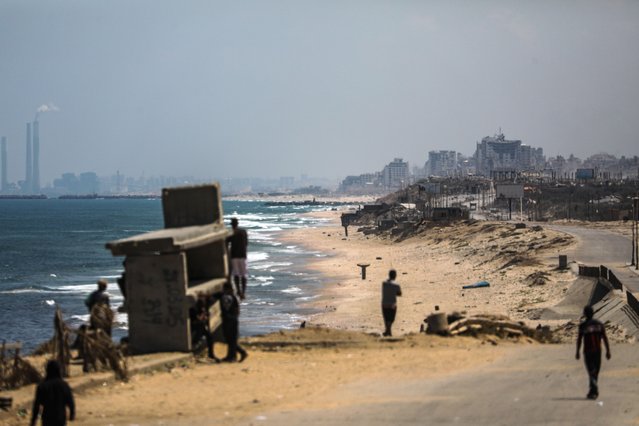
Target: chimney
3,165
29,175
35,182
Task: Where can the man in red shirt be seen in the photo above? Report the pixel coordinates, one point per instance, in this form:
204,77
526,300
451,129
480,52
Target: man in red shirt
592,332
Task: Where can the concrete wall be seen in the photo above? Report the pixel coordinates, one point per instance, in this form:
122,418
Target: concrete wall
157,305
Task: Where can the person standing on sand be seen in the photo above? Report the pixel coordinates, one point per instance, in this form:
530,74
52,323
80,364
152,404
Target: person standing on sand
390,291
54,395
231,323
99,296
239,244
592,332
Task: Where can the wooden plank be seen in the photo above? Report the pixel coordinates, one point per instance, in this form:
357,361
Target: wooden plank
11,346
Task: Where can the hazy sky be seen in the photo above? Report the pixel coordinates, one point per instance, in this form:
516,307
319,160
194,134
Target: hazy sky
325,88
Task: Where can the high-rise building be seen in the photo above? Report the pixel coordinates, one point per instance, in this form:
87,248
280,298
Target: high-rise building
396,174
35,177
498,154
28,179
442,163
4,184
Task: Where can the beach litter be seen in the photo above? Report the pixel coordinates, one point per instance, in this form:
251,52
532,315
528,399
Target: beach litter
479,284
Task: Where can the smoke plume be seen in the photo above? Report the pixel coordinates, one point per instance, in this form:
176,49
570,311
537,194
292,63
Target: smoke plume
50,107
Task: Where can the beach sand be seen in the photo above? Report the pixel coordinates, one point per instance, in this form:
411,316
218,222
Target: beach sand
520,265
302,369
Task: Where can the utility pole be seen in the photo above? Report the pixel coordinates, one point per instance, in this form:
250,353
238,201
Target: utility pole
635,218
633,224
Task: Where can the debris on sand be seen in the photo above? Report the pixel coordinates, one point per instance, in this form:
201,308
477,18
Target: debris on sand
537,278
494,325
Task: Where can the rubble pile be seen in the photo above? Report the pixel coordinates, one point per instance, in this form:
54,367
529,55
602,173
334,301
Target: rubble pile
492,325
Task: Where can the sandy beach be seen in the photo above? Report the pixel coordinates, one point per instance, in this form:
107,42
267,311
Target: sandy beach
304,369
519,264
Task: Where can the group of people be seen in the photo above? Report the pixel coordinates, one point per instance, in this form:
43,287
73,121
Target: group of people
230,309
592,332
237,244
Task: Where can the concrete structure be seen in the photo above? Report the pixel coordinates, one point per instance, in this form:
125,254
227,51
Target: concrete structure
165,270
396,174
35,176
4,184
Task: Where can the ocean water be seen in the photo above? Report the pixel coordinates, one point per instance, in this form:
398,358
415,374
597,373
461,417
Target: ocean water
52,252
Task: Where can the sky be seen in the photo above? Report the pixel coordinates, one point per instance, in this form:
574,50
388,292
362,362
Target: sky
266,88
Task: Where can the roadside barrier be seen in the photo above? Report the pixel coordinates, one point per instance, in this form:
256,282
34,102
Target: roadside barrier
632,302
614,281
608,279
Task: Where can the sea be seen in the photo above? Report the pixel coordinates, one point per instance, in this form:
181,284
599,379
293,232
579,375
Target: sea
52,252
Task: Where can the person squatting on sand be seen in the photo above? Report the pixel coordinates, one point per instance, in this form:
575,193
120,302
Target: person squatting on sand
199,316
53,395
390,291
230,323
592,332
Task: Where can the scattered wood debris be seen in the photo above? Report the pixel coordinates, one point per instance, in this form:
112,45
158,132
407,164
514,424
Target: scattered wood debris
14,370
493,325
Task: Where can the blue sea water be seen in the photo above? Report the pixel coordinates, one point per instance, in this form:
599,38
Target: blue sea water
52,252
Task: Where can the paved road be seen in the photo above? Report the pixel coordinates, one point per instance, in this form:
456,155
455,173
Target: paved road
599,247
535,385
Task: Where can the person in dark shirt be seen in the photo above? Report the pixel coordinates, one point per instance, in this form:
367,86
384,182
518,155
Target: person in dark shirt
53,395
239,243
98,296
199,317
592,332
230,323
390,291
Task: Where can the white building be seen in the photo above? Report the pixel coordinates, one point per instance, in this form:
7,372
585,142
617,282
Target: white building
396,174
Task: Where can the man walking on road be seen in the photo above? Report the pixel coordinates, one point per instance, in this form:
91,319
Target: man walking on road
592,332
390,291
239,244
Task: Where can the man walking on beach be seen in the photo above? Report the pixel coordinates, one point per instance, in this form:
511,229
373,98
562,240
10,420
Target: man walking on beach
239,244
231,323
53,395
390,291
592,332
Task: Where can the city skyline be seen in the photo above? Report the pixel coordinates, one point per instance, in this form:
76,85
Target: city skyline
329,89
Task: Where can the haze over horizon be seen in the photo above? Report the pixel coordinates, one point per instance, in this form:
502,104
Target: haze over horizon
323,88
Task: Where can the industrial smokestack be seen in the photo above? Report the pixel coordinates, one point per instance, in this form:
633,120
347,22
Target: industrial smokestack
4,184
35,182
29,175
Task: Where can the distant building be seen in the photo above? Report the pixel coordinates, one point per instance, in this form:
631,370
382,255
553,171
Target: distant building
396,174
442,163
367,183
498,154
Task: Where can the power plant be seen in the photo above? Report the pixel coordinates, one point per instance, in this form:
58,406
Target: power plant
31,183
